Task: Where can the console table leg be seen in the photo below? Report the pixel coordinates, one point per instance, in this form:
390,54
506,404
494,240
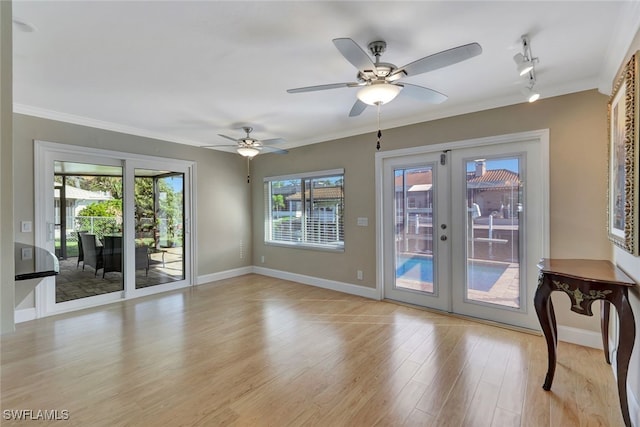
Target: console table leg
604,327
546,316
625,347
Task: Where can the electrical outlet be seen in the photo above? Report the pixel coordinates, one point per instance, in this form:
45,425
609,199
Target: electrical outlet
262,259
359,275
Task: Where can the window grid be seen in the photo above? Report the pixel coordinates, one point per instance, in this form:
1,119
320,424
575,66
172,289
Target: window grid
305,211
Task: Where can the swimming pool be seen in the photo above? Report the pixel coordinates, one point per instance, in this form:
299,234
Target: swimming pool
482,276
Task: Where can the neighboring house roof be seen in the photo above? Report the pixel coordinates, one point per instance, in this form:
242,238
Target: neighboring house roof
415,178
495,178
74,193
321,193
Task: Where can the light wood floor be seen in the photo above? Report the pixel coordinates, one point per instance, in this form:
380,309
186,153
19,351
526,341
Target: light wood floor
257,351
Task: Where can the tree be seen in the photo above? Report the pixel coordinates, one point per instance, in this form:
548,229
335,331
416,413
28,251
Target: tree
109,184
101,217
107,208
277,201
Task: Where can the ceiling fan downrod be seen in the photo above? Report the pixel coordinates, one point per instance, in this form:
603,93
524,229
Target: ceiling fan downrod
377,48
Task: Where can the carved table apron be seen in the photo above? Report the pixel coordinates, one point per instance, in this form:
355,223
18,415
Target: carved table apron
586,281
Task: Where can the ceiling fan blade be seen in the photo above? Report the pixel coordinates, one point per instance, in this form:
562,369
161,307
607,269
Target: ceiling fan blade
228,137
440,59
218,146
357,108
274,150
272,141
422,93
354,54
322,87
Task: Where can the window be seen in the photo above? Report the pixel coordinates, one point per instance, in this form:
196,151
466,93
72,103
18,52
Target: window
315,220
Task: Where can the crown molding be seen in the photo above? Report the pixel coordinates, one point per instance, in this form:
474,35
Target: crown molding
622,37
99,124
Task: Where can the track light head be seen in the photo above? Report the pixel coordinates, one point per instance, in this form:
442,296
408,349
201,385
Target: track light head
531,94
525,63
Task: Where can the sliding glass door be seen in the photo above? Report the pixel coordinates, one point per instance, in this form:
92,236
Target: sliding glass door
118,223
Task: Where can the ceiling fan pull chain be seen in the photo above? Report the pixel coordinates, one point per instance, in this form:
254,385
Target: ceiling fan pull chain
379,131
248,171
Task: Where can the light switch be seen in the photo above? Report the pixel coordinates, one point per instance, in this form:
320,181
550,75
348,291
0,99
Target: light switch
26,226
363,221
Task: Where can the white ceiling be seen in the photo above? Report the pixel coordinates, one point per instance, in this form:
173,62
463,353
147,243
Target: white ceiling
186,71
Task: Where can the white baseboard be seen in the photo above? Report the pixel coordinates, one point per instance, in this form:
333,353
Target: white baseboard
580,336
24,315
227,274
347,288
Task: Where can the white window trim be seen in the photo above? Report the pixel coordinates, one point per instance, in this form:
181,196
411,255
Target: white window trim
326,247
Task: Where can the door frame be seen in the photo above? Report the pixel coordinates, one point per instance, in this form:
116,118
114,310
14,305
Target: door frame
44,152
540,136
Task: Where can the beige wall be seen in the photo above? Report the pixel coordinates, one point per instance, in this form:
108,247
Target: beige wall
578,169
223,214
6,170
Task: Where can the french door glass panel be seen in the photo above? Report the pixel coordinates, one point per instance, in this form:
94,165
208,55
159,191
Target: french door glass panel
494,203
414,228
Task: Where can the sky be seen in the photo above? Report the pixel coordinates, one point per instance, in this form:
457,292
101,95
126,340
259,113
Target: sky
508,163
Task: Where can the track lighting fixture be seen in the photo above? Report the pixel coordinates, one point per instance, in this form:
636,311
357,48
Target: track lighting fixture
530,92
525,60
525,63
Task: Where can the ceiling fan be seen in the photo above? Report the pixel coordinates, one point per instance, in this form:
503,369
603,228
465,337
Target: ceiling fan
379,82
250,147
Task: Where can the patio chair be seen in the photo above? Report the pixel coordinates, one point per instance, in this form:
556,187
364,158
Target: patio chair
80,251
142,258
92,253
112,254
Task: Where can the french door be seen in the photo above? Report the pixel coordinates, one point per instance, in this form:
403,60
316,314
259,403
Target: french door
416,211
464,227
119,224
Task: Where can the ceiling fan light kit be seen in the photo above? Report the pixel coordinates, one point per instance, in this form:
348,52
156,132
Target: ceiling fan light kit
249,152
378,93
525,64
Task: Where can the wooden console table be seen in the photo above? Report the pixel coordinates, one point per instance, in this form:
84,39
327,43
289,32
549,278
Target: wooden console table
586,281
